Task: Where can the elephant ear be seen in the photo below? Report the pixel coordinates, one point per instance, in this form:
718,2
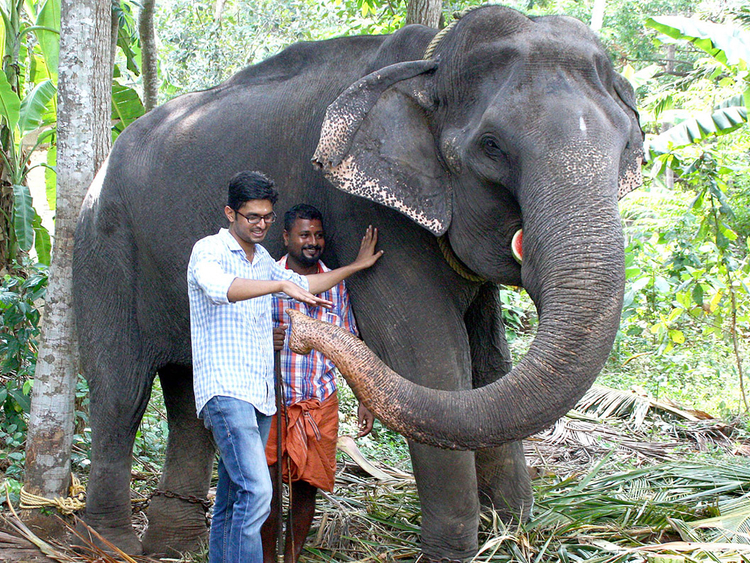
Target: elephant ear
376,143
630,163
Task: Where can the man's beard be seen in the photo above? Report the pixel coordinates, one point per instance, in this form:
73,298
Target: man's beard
308,261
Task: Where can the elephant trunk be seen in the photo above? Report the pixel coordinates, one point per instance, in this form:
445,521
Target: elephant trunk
573,268
574,337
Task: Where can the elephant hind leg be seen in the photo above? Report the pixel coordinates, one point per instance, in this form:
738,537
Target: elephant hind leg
114,420
504,482
177,523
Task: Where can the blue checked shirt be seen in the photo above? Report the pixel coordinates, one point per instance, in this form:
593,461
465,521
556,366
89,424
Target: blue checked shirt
232,342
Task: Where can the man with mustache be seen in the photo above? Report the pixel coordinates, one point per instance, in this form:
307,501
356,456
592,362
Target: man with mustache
310,430
231,278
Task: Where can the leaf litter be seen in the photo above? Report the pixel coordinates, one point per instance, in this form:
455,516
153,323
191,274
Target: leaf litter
621,478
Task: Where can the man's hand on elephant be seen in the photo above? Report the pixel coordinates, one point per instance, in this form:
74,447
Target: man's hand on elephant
279,333
296,292
367,255
365,419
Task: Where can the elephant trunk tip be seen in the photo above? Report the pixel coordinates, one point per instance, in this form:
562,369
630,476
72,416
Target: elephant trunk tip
300,325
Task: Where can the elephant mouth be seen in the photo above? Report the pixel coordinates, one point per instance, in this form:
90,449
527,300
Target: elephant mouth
516,246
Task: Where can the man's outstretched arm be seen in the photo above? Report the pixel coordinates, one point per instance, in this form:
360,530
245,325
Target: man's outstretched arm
366,257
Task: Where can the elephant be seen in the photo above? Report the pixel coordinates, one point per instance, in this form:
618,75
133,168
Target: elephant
452,143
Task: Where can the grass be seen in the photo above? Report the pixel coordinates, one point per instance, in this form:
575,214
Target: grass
623,478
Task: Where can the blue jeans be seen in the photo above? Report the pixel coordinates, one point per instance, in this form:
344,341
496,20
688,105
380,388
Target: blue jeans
243,495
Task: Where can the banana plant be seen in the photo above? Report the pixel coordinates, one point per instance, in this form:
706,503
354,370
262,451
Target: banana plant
25,119
27,114
730,46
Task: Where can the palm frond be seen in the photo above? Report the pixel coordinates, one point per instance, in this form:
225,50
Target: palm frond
732,526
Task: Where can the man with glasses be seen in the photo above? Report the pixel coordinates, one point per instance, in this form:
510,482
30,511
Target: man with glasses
230,281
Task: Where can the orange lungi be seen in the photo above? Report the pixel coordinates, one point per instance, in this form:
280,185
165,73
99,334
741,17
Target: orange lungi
308,442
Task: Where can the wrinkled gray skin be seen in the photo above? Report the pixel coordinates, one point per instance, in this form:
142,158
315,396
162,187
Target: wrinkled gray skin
518,123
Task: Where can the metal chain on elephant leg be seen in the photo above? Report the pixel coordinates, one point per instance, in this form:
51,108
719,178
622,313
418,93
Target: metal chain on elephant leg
204,502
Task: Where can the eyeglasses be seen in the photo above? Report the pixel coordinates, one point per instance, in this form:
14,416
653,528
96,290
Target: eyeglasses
254,218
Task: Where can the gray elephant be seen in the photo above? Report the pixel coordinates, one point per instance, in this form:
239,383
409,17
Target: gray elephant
450,144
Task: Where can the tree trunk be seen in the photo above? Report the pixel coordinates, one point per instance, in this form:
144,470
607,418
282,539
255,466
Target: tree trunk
148,55
424,12
219,11
597,15
670,54
114,24
85,85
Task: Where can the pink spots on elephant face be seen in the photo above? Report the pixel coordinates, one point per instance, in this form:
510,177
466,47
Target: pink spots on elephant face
349,178
631,179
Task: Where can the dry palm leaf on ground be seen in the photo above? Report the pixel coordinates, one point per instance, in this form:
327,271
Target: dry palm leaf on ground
622,478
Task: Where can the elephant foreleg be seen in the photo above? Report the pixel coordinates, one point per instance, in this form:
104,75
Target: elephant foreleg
503,479
446,483
177,522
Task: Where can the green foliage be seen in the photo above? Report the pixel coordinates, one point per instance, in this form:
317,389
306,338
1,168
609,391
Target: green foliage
151,437
126,107
726,43
19,309
200,48
27,112
687,307
519,315
126,102
80,459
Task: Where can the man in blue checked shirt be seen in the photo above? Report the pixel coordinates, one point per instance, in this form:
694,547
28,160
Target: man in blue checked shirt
230,281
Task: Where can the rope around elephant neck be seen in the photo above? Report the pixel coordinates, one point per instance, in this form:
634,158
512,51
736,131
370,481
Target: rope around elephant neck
430,51
443,243
455,263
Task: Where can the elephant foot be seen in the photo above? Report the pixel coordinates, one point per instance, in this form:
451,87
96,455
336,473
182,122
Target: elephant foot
103,537
511,510
175,526
171,542
424,558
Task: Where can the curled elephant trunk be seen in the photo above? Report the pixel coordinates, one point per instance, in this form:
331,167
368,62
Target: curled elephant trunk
573,341
530,398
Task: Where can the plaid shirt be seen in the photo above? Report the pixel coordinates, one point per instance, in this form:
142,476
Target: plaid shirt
311,376
232,342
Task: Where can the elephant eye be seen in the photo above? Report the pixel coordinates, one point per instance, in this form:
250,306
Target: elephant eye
491,147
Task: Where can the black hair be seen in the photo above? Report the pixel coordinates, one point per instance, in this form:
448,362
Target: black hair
247,186
301,211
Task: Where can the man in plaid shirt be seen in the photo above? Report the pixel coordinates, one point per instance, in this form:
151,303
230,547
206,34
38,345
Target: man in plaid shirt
310,428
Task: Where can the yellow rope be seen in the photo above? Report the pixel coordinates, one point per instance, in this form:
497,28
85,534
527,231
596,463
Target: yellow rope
443,243
68,505
430,51
455,263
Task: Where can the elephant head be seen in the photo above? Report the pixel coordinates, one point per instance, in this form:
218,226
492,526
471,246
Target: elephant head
516,123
